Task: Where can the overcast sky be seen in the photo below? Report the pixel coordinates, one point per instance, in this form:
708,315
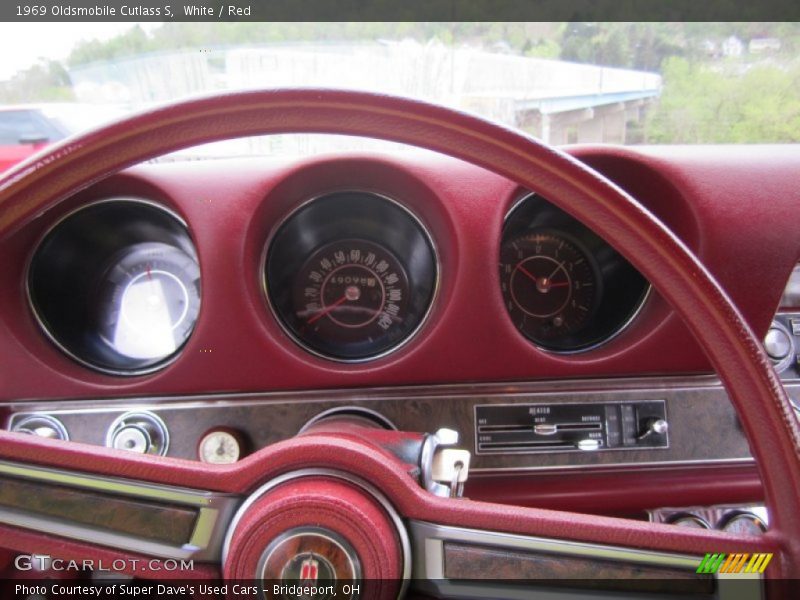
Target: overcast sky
22,44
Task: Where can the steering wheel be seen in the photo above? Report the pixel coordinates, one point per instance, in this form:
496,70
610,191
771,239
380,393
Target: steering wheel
760,401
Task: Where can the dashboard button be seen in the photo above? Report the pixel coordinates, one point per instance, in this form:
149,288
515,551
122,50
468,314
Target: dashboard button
777,343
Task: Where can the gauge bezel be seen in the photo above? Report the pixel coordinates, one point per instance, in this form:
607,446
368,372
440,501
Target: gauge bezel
678,518
417,221
618,329
739,515
234,434
41,320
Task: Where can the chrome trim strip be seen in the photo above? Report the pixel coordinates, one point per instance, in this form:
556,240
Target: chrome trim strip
428,541
614,466
40,322
205,544
319,472
423,532
531,389
509,389
265,288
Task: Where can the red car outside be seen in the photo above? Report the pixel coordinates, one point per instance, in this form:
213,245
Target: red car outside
26,129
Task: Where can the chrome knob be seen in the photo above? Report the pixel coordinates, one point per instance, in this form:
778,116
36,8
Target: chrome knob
41,425
777,343
141,432
656,426
659,426
132,437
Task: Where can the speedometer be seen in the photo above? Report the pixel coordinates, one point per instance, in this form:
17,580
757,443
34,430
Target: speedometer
352,296
351,276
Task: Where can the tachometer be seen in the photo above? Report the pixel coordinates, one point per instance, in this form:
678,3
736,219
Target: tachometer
564,288
549,284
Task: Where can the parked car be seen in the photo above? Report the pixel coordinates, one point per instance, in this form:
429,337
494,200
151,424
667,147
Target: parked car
25,129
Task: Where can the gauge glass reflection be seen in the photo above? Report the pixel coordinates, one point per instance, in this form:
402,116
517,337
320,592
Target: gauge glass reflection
150,301
744,523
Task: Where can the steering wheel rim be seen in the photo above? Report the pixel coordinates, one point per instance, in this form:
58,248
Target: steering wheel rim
763,407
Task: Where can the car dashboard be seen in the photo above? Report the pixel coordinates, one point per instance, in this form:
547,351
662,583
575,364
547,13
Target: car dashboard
205,310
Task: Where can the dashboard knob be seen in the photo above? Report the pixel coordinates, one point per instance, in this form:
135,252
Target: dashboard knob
654,426
659,426
141,432
777,343
132,437
41,425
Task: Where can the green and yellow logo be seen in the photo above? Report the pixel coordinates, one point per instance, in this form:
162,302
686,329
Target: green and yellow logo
734,563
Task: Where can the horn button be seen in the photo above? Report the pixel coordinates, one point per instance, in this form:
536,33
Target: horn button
321,533
309,556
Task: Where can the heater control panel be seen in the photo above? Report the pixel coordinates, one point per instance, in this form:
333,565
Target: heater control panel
579,427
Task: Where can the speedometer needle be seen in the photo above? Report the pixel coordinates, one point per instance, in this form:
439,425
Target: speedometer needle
326,310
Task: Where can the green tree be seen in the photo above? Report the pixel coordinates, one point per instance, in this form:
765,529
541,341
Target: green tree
701,104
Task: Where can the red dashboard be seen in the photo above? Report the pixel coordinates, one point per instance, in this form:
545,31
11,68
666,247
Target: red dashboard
733,206
551,416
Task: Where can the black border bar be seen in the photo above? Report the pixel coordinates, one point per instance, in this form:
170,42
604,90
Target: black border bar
397,10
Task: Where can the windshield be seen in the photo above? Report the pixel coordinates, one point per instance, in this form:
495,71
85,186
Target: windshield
622,83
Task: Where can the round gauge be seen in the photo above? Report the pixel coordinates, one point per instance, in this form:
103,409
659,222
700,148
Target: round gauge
689,520
565,288
219,447
116,285
353,295
744,524
149,301
550,285
351,276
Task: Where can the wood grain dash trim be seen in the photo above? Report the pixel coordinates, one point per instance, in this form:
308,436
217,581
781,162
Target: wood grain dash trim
472,562
146,519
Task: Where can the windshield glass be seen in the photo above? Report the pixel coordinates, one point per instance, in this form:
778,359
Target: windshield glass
623,83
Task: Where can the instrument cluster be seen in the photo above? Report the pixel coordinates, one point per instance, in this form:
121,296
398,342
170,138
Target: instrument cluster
350,276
